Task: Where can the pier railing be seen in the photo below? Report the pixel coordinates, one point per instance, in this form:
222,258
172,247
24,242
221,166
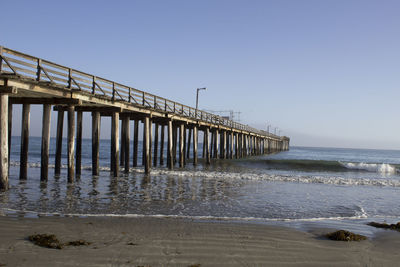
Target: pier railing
22,65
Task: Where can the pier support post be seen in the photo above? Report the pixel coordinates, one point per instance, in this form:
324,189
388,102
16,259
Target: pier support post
223,145
115,143
162,145
170,155
78,168
147,145
195,143
188,143
10,108
232,142
23,168
175,136
204,145
181,145
60,127
135,143
4,142
44,166
95,142
206,138
71,143
122,148
126,142
155,144
211,146
236,145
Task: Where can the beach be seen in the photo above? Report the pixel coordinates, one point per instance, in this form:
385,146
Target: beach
182,242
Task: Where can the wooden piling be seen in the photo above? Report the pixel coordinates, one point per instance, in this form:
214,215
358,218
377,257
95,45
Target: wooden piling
155,153
162,145
23,168
10,108
126,127
188,143
115,143
174,144
204,145
71,143
44,166
135,143
195,143
181,145
184,145
211,147
78,158
122,148
223,145
232,143
146,142
170,155
216,144
4,142
59,136
207,150
95,142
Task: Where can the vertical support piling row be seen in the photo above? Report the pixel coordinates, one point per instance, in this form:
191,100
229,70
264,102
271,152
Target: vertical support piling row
23,168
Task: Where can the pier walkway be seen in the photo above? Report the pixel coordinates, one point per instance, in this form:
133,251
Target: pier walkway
28,80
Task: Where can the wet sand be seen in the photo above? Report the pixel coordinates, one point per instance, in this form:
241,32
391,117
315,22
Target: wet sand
178,242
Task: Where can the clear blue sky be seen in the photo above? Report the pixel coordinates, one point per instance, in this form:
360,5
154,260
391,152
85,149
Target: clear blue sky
325,72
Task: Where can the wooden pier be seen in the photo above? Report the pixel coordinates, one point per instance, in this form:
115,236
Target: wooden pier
27,80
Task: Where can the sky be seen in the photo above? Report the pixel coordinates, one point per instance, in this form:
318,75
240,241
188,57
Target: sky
326,73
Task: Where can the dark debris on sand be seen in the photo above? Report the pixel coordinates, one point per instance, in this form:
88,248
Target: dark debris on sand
385,225
51,241
343,235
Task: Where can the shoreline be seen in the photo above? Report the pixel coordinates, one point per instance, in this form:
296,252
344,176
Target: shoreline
184,242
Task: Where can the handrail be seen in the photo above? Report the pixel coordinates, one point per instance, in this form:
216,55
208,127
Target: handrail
20,64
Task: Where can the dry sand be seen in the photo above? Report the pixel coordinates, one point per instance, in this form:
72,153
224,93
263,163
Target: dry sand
177,242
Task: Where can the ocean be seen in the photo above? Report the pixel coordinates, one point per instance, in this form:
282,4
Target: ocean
335,187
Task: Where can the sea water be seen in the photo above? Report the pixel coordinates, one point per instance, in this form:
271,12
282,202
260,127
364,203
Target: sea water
335,187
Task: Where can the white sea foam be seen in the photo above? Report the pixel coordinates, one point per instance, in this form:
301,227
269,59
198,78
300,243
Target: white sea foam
359,215
372,167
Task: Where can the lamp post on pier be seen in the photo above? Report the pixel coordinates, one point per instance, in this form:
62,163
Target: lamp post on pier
197,98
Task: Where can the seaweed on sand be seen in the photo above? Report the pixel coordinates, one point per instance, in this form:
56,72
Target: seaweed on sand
51,241
385,225
343,235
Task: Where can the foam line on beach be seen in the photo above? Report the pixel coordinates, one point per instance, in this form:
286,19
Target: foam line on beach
358,215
